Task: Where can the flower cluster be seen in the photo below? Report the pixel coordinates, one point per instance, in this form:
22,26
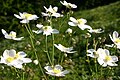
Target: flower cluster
103,57
13,58
51,12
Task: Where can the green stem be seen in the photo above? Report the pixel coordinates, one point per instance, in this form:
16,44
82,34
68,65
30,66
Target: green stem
23,76
62,58
47,51
31,39
29,31
53,52
53,49
37,58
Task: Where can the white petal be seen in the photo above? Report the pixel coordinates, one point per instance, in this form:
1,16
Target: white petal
48,68
45,14
115,35
65,72
91,51
72,24
37,32
73,20
55,31
24,21
111,38
4,32
114,58
18,66
17,16
84,27
22,54
112,64
58,67
18,39
26,60
100,61
39,26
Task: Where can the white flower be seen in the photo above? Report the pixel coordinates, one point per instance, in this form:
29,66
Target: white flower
56,70
80,23
12,35
35,62
69,31
26,17
105,59
96,30
68,5
64,49
11,58
115,38
51,12
47,30
93,53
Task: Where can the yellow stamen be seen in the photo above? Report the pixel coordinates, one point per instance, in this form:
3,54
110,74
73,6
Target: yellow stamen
27,15
10,59
12,35
56,70
107,58
117,40
80,21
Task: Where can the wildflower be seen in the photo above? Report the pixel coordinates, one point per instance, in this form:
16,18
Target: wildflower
64,49
96,30
51,12
68,5
93,53
26,17
115,38
36,62
12,35
56,70
80,23
47,30
69,31
11,58
105,59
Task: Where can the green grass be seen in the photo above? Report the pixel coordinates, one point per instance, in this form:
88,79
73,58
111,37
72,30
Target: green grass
105,17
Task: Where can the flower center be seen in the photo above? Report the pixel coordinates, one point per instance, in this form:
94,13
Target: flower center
12,35
107,58
27,15
117,40
56,71
10,59
80,21
46,28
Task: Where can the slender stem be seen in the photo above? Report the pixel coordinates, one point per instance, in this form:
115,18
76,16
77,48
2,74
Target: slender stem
31,39
87,53
29,31
47,51
37,58
53,53
23,75
62,58
53,49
